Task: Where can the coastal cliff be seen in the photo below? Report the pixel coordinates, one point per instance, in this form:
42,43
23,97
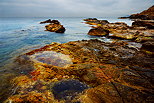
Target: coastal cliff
144,15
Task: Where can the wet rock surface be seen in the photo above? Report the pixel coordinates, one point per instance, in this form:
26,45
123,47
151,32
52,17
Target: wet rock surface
98,32
116,72
51,57
54,26
146,24
140,31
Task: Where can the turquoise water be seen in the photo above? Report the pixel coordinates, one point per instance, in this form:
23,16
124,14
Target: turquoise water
19,35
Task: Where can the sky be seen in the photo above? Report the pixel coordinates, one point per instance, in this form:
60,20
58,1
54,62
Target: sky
72,8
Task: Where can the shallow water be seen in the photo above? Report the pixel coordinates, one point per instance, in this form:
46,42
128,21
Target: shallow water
53,58
20,35
68,89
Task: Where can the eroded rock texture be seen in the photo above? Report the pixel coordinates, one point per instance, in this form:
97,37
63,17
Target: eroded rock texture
99,72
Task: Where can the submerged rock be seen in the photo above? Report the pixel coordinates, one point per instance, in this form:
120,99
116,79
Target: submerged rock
68,89
53,58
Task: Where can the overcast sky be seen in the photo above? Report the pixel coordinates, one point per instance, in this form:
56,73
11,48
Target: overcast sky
72,8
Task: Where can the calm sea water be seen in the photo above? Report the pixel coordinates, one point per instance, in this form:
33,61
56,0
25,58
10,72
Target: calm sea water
19,35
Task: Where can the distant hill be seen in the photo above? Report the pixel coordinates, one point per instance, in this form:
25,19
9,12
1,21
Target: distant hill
150,11
144,15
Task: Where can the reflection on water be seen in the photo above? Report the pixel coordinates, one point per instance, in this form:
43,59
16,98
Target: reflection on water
53,58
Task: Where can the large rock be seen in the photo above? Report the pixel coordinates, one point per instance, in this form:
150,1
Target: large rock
149,45
58,28
98,32
54,26
147,24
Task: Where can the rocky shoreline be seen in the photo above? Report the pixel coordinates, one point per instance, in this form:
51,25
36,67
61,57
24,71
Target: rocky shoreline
144,15
110,72
89,71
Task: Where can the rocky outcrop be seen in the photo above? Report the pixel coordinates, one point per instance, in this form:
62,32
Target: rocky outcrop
49,21
90,19
55,26
148,45
98,32
146,24
94,21
144,15
140,31
99,72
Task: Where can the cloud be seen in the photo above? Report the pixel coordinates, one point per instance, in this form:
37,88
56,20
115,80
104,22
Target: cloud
69,8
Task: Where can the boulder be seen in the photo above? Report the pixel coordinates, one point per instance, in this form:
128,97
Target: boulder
147,24
55,28
98,32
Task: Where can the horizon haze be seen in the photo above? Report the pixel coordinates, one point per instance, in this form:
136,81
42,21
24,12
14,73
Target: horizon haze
72,8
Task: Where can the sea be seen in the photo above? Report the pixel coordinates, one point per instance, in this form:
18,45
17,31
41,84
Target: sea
20,35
